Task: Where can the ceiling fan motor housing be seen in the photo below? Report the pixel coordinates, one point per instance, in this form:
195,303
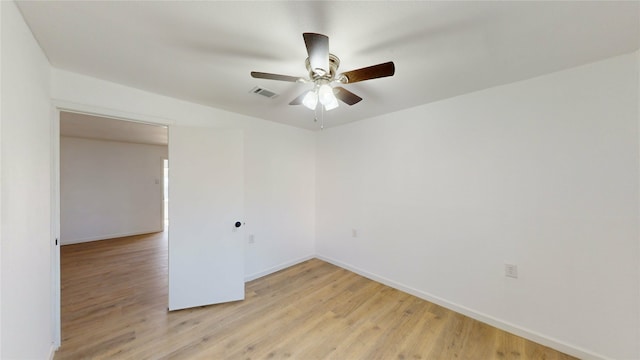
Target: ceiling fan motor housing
334,63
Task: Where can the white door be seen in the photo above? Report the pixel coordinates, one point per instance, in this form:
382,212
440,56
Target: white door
206,177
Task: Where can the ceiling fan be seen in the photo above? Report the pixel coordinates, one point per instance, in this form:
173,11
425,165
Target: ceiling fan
322,67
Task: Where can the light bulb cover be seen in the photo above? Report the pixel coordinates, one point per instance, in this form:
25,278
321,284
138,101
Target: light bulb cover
325,94
331,105
310,100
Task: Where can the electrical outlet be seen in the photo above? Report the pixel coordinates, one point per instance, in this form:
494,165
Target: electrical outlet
511,270
252,239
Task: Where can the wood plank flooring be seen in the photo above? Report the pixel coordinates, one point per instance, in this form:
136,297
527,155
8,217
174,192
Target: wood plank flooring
114,306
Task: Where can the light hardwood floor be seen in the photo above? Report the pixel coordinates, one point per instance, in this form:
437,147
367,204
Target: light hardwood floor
114,305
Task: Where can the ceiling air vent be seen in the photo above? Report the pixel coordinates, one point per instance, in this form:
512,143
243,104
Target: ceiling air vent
264,92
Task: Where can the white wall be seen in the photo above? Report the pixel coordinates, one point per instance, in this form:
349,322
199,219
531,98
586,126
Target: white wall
109,189
279,187
279,163
542,173
25,193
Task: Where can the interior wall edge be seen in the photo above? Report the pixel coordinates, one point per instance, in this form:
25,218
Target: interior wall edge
637,54
487,319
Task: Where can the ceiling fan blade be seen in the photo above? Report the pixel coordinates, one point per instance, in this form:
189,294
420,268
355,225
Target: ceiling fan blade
346,96
261,75
371,72
318,50
298,100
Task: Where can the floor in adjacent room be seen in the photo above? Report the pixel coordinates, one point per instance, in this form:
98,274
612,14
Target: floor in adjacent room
114,305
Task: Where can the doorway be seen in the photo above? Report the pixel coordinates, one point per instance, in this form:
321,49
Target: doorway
111,178
111,183
207,195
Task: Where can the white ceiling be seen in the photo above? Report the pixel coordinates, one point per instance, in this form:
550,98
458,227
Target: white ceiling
100,128
204,51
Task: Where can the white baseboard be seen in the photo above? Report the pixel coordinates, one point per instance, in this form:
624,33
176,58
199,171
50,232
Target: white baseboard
107,237
279,267
500,324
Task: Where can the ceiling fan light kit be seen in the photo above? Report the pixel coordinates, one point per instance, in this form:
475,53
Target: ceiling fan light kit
322,67
310,100
331,104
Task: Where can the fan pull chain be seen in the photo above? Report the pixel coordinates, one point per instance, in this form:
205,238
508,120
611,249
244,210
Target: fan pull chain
315,114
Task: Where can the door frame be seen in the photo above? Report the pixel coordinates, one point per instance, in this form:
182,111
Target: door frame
56,108
165,197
